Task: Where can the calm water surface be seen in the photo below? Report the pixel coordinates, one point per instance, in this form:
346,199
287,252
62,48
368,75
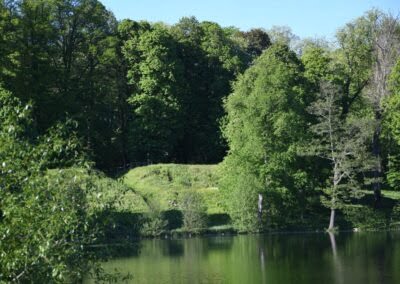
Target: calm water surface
291,258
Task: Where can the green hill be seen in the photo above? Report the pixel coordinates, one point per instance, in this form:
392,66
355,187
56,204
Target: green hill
164,183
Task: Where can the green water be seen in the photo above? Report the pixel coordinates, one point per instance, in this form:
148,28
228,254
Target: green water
285,258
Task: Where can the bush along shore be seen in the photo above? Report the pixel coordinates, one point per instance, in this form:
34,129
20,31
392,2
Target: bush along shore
172,200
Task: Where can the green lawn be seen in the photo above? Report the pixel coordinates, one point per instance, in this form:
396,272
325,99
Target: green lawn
163,184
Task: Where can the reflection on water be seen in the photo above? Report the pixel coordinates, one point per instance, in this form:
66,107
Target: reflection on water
296,258
337,265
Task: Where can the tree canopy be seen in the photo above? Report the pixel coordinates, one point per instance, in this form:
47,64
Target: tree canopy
300,127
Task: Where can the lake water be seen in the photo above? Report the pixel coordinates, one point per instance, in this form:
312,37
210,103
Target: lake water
282,258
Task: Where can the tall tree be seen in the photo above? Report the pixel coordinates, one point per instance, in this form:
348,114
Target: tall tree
385,38
9,50
317,62
283,35
353,61
155,75
87,73
65,59
36,74
265,123
211,61
343,143
257,41
391,126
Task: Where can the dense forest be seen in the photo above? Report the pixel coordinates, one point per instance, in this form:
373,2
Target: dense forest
300,128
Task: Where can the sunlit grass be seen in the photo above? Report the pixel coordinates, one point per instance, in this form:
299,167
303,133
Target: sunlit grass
163,184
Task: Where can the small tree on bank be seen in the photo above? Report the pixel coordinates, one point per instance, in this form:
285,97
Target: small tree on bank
194,211
342,142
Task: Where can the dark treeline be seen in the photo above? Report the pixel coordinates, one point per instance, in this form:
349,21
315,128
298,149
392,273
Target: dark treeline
303,128
137,91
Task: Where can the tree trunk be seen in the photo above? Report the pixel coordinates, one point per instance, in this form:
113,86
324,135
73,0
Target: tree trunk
259,205
377,173
332,220
336,180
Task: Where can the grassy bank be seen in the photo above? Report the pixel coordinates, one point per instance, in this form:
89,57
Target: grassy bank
164,184
155,203
153,195
362,215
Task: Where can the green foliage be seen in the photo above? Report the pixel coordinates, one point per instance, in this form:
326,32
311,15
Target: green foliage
136,91
50,228
211,62
353,60
395,216
364,217
153,227
343,143
194,211
257,41
265,121
391,126
62,56
240,191
317,63
88,91
155,224
154,74
392,105
8,34
16,119
47,220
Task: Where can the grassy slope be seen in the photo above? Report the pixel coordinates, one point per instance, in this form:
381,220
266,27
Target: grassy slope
163,183
105,190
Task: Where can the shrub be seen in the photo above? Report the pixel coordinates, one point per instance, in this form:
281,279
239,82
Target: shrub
194,211
365,217
395,216
153,227
155,223
46,232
